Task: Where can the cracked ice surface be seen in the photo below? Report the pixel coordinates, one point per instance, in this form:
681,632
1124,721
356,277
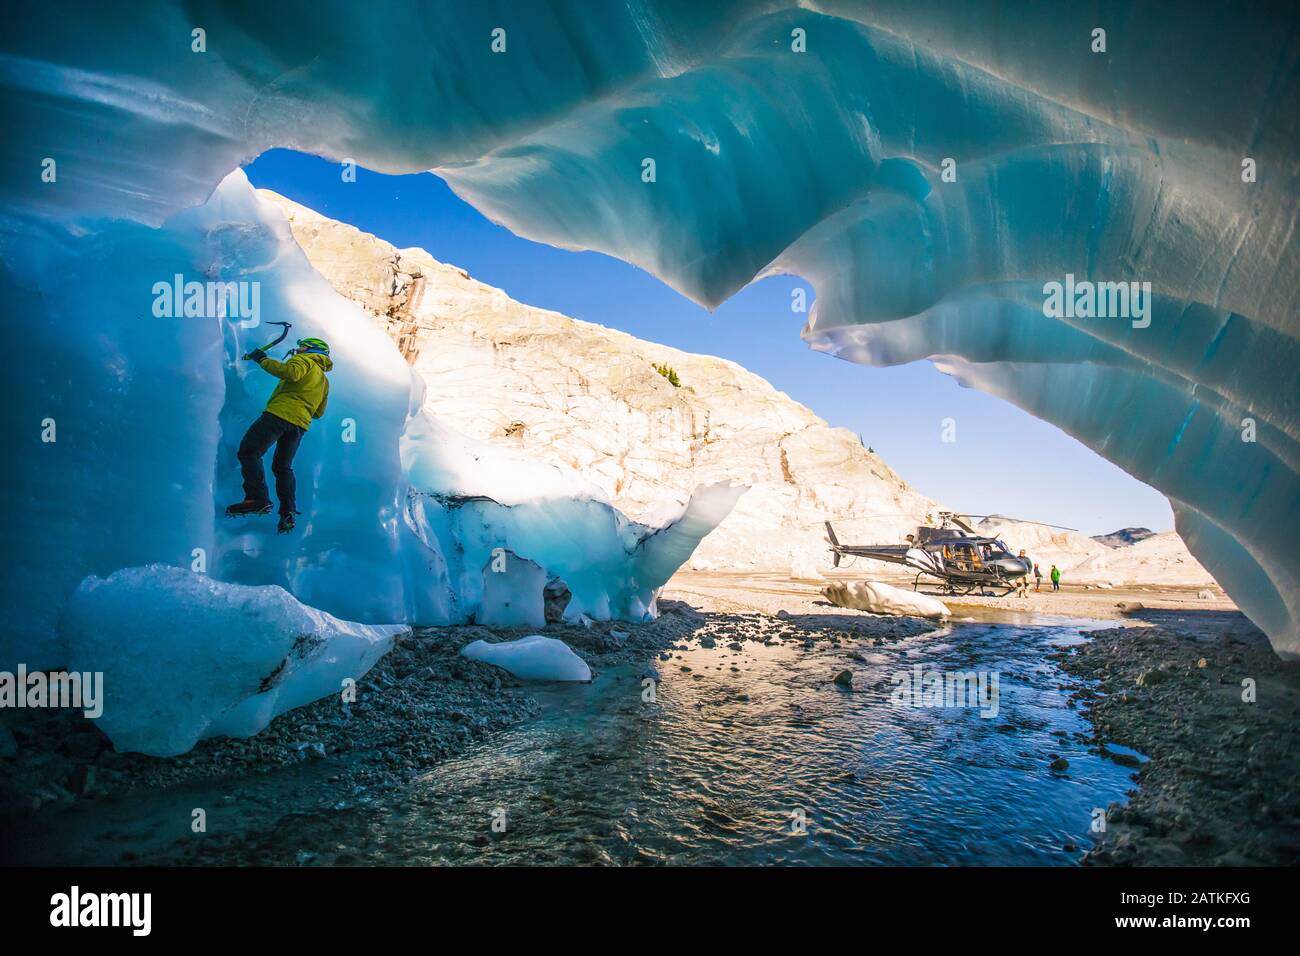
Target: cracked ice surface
1115,166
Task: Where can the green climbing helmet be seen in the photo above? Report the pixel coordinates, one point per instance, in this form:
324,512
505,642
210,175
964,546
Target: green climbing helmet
314,345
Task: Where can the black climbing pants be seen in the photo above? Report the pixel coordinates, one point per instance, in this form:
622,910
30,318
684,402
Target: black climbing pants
270,430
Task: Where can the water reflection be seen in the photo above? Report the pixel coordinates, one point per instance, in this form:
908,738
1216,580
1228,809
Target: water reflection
757,757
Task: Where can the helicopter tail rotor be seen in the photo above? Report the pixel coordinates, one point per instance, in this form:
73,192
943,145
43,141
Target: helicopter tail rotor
834,543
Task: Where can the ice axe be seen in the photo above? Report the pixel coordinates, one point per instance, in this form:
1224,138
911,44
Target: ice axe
284,333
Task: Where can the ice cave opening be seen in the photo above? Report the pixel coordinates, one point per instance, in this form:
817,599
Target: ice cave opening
926,172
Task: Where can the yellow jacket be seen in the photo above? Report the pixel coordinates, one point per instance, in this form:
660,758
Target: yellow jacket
303,390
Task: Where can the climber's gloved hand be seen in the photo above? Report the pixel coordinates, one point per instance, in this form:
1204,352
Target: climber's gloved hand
255,356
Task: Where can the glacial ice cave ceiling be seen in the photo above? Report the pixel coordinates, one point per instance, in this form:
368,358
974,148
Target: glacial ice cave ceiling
808,140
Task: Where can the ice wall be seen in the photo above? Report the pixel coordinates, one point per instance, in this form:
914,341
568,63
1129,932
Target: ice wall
126,424
804,140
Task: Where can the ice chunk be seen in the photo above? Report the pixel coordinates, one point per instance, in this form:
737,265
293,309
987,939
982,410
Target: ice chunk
186,657
612,566
532,658
513,592
881,598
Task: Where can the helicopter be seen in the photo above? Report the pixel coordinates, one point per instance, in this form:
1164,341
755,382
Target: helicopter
954,553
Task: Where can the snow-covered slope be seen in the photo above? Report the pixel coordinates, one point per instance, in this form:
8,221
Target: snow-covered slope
1161,559
930,167
588,400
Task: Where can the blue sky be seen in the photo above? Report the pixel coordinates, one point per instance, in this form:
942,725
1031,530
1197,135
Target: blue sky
1004,461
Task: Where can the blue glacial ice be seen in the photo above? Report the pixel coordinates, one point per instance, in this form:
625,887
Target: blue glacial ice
184,656
402,518
532,658
1168,158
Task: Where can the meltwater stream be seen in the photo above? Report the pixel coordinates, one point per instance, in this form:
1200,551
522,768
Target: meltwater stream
757,757
750,756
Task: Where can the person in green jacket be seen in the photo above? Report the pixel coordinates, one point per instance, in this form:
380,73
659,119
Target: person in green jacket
1056,578
300,397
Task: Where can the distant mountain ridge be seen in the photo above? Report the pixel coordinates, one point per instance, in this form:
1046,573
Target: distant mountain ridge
1124,537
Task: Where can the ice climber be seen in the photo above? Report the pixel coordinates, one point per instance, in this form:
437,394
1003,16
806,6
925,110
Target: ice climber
300,397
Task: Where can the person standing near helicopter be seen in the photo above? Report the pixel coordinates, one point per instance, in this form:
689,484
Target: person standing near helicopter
1022,583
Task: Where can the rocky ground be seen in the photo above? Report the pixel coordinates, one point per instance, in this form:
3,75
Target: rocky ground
1203,696
421,704
1219,787
1222,782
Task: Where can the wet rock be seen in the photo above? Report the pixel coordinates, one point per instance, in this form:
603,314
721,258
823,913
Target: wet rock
1216,768
1124,760
1155,675
555,598
844,678
1059,764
